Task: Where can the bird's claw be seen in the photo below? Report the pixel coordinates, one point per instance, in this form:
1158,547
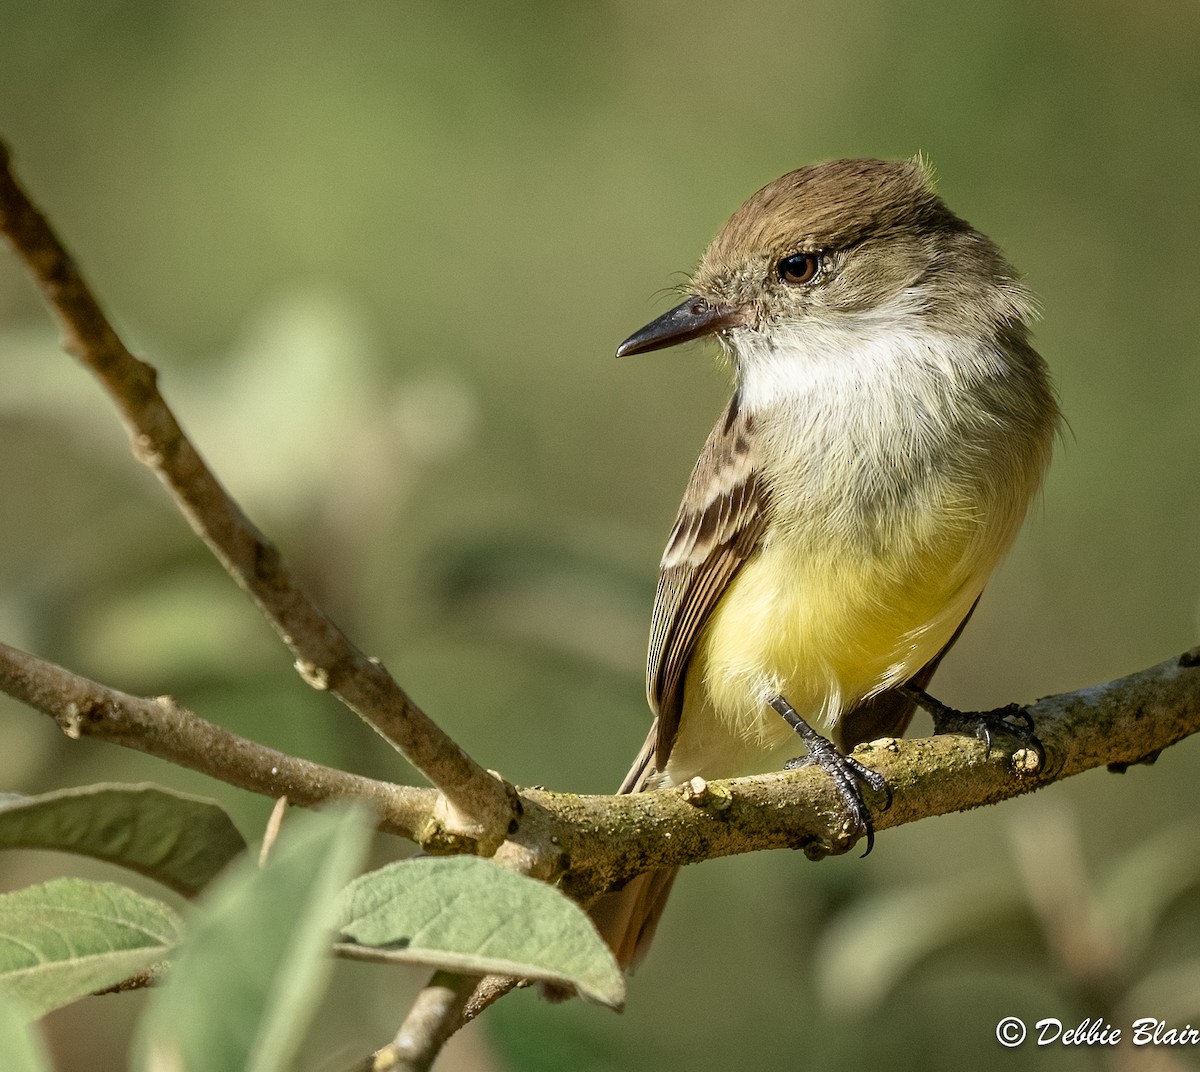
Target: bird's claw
847,773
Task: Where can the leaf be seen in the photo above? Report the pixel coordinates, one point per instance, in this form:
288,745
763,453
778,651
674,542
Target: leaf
64,939
21,1049
470,915
243,986
179,840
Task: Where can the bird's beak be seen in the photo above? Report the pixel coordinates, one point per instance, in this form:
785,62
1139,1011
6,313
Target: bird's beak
691,319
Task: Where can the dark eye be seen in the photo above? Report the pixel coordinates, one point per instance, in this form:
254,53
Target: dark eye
799,268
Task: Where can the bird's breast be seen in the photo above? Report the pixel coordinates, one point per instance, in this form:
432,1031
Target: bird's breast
890,505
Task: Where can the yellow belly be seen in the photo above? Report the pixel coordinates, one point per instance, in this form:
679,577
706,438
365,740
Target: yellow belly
824,633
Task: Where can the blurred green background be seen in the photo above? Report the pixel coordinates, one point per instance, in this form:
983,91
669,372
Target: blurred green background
381,254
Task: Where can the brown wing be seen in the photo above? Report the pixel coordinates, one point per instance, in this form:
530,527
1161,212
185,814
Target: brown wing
720,523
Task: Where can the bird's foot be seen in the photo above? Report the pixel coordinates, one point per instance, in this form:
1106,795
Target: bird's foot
847,773
1011,721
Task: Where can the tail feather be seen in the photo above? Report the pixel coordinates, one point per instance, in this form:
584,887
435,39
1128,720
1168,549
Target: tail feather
627,918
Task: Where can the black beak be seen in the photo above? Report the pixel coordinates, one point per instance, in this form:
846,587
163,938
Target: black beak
691,319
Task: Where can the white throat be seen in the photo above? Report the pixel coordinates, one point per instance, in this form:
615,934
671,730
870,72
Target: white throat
883,351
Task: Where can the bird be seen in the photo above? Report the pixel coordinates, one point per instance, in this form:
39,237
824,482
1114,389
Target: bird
889,426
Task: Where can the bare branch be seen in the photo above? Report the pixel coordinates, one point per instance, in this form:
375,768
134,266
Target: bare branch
158,726
478,804
589,844
433,1018
491,989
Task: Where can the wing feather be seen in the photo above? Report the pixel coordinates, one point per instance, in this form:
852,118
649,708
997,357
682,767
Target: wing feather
720,523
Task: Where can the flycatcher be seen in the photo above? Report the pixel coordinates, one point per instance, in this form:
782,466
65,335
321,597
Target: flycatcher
889,425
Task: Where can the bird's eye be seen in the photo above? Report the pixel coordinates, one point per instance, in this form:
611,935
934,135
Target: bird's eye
799,268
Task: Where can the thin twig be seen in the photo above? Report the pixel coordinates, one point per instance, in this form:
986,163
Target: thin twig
147,977
491,988
479,808
434,1017
446,1005
271,834
158,726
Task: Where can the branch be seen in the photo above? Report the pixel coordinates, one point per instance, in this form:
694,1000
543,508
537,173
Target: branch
596,843
434,1017
478,804
589,844
158,726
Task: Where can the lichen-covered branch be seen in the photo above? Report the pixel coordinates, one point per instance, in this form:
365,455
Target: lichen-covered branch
592,843
597,842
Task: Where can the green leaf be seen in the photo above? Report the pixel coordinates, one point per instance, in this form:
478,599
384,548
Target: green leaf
470,915
179,840
21,1049
244,985
66,938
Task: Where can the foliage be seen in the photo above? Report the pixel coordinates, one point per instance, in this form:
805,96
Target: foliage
245,969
